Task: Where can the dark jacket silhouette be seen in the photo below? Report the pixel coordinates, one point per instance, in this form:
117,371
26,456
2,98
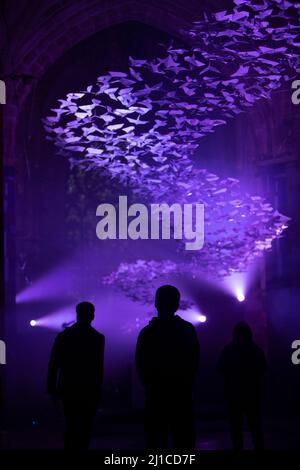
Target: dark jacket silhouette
167,354
75,375
167,358
243,366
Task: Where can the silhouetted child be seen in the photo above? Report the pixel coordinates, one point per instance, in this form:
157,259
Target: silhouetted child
167,354
75,376
243,366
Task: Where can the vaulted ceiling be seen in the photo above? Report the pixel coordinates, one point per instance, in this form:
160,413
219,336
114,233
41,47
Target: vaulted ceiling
34,34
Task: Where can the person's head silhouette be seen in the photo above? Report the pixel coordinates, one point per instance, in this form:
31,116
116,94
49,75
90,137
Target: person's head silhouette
167,300
242,333
85,313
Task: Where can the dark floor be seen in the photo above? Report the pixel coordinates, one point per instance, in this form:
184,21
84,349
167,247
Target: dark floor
122,434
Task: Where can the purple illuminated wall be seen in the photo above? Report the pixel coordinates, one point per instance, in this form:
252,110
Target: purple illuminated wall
59,259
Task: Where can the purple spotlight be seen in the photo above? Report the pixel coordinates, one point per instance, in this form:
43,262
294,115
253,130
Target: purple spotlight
193,315
32,322
238,283
58,319
240,296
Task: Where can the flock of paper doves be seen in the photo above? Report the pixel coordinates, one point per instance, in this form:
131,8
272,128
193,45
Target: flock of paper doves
143,127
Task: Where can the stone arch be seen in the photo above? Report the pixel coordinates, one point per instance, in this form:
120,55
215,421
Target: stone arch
46,30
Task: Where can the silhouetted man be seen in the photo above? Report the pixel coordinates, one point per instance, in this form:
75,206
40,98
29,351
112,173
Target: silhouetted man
167,358
75,376
243,366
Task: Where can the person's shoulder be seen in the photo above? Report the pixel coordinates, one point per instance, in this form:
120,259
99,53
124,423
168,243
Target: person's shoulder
97,334
146,329
63,337
149,329
64,334
185,324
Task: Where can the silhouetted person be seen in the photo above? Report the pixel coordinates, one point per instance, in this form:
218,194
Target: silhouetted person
243,366
167,354
75,376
